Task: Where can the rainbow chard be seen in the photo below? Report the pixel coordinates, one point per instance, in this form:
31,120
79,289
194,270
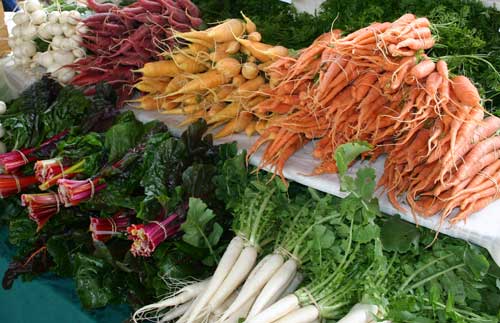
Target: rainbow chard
146,237
74,192
12,161
12,184
48,172
41,207
104,229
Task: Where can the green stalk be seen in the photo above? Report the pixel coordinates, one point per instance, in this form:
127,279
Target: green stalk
420,283
418,271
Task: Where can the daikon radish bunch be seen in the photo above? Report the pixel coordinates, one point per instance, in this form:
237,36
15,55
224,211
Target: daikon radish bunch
219,76
257,215
48,38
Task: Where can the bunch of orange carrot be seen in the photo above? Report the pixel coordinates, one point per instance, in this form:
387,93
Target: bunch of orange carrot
377,85
218,76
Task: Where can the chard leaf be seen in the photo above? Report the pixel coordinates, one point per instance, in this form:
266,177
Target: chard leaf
197,226
90,281
123,136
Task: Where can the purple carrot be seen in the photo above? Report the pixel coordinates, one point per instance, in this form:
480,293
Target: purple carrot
100,7
191,8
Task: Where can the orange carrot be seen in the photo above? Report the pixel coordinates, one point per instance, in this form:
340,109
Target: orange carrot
465,91
423,69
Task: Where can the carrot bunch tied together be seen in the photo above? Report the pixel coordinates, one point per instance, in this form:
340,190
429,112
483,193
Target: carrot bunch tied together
121,39
219,76
378,85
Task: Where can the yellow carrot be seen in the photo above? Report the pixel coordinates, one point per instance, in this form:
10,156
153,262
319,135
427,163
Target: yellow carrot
229,112
176,83
250,129
159,69
236,125
227,30
188,109
203,81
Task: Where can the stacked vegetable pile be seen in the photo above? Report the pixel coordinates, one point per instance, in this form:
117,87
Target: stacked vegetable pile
48,37
122,39
377,85
132,184
301,257
218,77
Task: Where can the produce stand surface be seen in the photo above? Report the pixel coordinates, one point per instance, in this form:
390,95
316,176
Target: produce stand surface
482,228
48,299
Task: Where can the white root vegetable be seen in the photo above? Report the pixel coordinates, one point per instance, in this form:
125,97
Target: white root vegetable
21,18
81,28
17,31
28,49
63,57
43,32
73,17
276,311
78,52
292,287
242,312
54,17
32,5
274,287
360,313
3,148
2,131
65,75
12,42
63,18
302,315
55,29
239,272
68,30
227,262
57,42
259,276
184,295
45,59
29,32
219,311
38,17
3,107
176,312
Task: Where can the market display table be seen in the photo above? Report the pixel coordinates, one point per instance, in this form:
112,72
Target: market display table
47,299
482,228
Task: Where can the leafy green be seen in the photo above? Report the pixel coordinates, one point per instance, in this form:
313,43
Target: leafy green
199,229
125,134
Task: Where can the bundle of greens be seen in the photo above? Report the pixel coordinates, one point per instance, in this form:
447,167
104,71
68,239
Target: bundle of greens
468,31
142,193
330,258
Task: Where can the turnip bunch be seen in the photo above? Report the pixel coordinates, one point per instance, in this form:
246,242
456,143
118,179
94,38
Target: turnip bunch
48,38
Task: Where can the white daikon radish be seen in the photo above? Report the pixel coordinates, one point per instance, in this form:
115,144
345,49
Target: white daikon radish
3,107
